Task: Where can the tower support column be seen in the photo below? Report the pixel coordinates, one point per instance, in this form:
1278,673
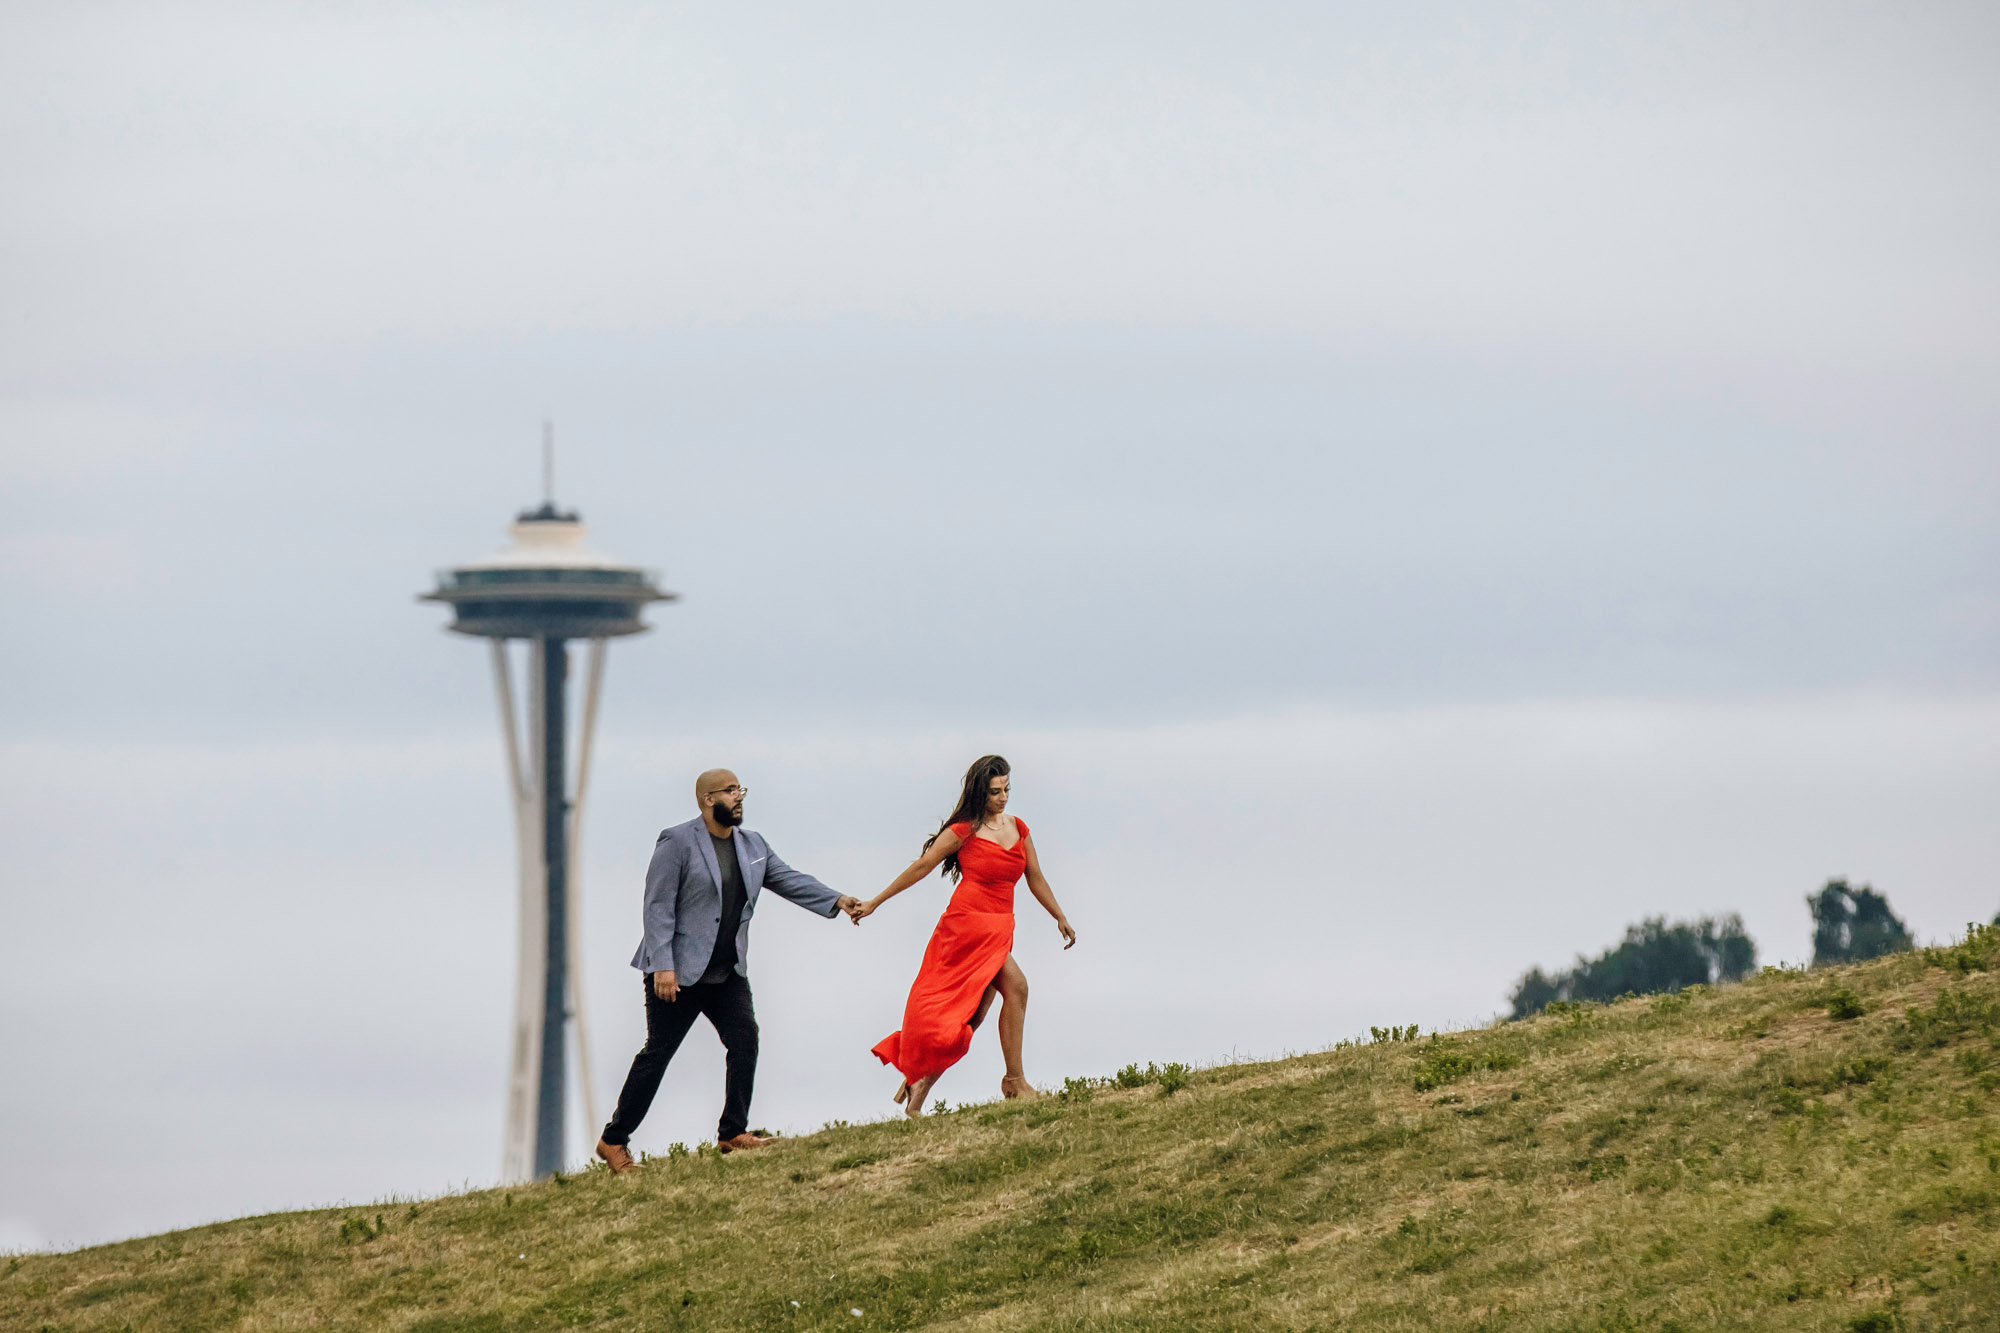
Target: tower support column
550,686
517,1153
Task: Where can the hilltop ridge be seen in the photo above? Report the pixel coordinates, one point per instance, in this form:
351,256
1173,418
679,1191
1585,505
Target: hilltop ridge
1798,1151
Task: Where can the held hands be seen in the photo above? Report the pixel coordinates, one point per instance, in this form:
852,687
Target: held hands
856,909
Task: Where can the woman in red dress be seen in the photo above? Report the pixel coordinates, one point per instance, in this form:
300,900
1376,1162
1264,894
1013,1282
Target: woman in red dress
970,956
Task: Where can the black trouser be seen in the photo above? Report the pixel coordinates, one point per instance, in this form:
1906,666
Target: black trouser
727,1004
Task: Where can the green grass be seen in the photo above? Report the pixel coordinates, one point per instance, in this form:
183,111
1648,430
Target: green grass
1801,1151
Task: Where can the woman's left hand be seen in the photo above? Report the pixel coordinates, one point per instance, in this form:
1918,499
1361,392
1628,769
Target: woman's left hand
1069,936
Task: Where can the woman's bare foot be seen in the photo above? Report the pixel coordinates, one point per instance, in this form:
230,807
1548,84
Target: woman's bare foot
919,1090
902,1092
1012,1087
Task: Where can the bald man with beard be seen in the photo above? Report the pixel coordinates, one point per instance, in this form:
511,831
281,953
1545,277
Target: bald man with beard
701,889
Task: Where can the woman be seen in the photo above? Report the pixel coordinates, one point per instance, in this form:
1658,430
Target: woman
970,954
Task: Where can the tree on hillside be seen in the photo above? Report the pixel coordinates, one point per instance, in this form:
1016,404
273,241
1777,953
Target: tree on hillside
1654,956
1851,924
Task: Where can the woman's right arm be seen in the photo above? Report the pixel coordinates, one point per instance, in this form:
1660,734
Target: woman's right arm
947,843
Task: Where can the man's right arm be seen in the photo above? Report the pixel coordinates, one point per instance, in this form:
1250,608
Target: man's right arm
663,887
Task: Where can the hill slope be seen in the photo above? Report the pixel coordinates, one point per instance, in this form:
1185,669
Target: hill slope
1797,1152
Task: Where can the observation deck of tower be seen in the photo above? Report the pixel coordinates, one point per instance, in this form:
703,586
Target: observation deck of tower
547,584
546,588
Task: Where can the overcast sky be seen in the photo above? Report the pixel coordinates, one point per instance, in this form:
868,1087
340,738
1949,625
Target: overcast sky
1414,489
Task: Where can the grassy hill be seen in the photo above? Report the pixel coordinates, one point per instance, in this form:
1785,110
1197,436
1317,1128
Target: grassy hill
1801,1151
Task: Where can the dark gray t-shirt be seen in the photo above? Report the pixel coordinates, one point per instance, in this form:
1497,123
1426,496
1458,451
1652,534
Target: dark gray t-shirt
723,961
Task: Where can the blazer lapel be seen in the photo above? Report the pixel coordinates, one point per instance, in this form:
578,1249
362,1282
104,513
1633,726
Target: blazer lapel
707,845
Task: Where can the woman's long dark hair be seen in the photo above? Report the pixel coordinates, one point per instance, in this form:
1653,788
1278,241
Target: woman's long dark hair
971,802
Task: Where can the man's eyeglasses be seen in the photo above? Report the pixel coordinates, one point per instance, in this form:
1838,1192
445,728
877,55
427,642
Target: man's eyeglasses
732,791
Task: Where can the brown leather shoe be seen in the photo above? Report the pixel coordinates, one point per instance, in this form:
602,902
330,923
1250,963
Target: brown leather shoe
744,1140
616,1157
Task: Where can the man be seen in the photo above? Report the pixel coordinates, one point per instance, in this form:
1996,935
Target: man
701,890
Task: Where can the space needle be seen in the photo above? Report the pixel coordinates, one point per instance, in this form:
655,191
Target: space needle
546,588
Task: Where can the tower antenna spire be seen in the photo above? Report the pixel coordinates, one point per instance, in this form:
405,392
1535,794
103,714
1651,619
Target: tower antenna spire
549,463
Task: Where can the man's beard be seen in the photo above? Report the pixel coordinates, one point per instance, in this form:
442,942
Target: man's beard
727,815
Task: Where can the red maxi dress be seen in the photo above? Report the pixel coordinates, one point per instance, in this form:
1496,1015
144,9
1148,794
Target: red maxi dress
967,950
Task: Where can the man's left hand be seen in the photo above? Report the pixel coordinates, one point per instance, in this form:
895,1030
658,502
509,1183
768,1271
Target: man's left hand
849,905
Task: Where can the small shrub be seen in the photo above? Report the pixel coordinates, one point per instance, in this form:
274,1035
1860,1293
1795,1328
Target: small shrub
1405,1033
1843,1004
676,1150
1445,1063
1977,952
1875,1321
356,1231
1442,1067
1170,1078
1954,1014
1849,1073
1076,1090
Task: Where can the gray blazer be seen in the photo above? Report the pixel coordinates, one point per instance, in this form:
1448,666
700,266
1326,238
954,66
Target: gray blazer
684,898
